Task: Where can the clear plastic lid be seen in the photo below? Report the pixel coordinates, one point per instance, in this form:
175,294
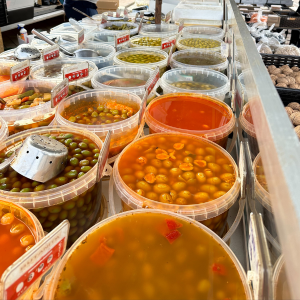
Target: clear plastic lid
179,80
57,38
246,120
52,71
215,104
59,194
213,32
153,42
106,53
134,51
161,30
199,43
133,31
28,116
55,279
5,66
3,130
199,212
137,77
123,132
188,58
9,55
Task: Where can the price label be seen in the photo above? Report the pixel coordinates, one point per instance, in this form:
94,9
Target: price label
168,16
126,12
143,106
103,155
141,24
224,49
122,38
181,25
151,82
81,36
110,14
167,43
104,19
35,263
118,13
20,71
59,92
50,53
76,71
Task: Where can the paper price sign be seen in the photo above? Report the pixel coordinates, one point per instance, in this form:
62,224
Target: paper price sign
181,25
103,155
110,14
151,82
35,263
167,44
76,71
168,16
81,36
123,38
104,19
20,71
126,12
50,53
59,92
140,25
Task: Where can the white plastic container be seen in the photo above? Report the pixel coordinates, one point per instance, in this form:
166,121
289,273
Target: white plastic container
5,66
213,32
161,30
123,132
50,289
212,213
194,55
206,76
61,40
119,24
37,231
37,72
110,73
45,204
22,119
161,64
106,53
181,46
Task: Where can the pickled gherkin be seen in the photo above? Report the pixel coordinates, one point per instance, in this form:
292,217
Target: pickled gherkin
200,43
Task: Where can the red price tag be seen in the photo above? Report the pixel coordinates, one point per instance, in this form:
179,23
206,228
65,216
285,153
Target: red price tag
181,25
50,53
151,82
126,12
104,19
81,36
123,38
35,263
76,71
20,71
118,14
167,44
103,156
59,92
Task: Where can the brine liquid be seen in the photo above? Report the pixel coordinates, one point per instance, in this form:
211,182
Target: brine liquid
125,82
188,114
283,291
201,61
149,256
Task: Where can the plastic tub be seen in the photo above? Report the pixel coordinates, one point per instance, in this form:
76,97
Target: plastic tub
37,72
135,51
161,110
247,125
124,72
211,211
218,82
106,53
217,43
123,132
188,59
21,119
148,262
36,229
78,201
58,38
119,24
213,32
161,30
5,66
133,40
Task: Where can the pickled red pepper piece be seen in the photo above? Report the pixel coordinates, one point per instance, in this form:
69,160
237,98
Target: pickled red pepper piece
172,224
102,255
173,236
219,269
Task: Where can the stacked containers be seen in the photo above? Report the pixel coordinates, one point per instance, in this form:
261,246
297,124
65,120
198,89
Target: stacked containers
124,72
106,53
199,59
77,201
216,82
157,112
22,119
123,132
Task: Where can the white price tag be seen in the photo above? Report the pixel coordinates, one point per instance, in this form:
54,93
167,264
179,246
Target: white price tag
81,36
104,19
123,38
35,263
167,43
76,71
103,155
59,92
224,49
118,13
168,16
110,14
20,71
50,53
